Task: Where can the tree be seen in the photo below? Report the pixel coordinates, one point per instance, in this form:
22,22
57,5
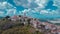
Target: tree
7,17
19,15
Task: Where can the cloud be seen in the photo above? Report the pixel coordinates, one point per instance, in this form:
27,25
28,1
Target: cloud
7,9
54,21
2,0
5,5
1,12
31,3
42,3
2,5
35,8
11,12
37,5
56,3
44,12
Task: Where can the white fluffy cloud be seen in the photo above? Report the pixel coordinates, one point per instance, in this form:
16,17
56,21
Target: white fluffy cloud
5,5
6,9
54,21
2,5
40,14
42,3
57,3
1,12
37,5
31,3
44,12
11,12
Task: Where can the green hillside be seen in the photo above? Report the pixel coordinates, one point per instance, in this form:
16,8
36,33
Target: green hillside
15,27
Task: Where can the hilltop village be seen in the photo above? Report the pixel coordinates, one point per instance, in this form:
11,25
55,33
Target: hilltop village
39,26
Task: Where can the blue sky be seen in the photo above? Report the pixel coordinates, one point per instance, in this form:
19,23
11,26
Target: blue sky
47,9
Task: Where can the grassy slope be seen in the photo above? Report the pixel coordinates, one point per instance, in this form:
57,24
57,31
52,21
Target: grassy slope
16,28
